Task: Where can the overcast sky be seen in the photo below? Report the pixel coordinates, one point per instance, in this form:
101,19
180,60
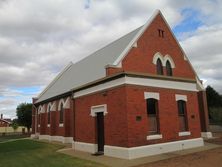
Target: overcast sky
39,37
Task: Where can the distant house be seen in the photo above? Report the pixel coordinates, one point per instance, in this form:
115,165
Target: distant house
135,97
5,122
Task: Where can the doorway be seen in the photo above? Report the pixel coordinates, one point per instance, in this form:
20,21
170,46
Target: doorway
100,132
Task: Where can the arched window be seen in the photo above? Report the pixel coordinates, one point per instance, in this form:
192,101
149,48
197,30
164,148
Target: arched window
49,113
159,67
61,112
181,104
39,119
152,113
39,116
169,71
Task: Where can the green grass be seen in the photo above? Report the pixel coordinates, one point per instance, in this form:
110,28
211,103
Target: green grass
30,153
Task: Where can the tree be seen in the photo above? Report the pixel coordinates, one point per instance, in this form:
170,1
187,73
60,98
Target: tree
214,99
14,125
24,114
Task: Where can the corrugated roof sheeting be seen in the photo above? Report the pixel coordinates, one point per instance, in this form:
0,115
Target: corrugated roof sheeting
88,69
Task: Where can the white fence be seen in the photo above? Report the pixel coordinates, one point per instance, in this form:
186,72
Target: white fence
11,130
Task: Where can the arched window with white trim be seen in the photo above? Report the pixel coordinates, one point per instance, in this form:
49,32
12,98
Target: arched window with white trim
169,71
49,114
159,67
38,115
38,118
61,113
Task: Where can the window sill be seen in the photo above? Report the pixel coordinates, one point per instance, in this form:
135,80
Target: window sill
61,125
186,133
48,125
154,137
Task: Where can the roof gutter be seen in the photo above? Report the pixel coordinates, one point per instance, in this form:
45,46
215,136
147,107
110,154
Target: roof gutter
132,74
116,76
53,98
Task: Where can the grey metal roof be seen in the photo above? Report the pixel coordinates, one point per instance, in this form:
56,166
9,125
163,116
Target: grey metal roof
92,67
88,69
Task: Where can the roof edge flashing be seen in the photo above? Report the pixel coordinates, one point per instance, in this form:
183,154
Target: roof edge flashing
54,80
137,36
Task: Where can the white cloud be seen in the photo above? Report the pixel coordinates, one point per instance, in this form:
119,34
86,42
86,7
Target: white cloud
205,51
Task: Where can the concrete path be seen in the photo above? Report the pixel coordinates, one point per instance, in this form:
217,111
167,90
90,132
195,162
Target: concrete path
115,162
10,140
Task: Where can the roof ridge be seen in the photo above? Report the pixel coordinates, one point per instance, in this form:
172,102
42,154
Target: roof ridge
82,60
137,36
105,46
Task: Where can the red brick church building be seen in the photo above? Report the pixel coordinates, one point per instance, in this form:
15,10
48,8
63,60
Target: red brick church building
135,97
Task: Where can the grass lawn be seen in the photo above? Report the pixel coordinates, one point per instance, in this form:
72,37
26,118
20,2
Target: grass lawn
11,137
30,153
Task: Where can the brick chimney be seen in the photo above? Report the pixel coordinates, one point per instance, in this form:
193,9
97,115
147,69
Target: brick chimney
1,116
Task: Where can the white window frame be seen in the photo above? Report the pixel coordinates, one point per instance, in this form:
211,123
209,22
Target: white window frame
157,56
169,58
181,97
97,109
152,95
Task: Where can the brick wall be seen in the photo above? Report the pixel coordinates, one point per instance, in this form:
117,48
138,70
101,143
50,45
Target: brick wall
123,105
168,115
115,121
203,111
140,58
55,129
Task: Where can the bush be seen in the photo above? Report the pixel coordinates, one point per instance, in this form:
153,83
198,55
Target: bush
14,125
215,114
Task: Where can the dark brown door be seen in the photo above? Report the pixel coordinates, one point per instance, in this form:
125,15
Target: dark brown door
100,131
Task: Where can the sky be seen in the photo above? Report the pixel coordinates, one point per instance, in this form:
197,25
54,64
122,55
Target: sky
38,38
